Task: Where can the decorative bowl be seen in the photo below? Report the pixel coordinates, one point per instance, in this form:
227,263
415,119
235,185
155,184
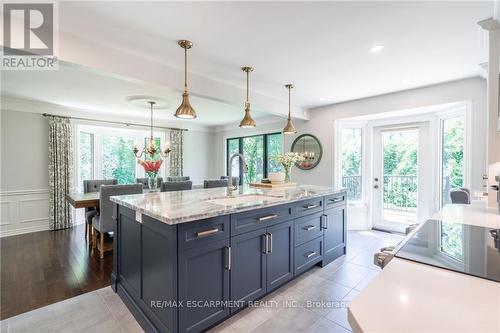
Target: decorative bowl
276,177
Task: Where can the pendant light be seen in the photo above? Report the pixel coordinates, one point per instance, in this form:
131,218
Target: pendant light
150,149
289,128
185,111
247,121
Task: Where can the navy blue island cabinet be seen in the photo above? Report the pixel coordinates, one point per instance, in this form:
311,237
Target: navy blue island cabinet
191,276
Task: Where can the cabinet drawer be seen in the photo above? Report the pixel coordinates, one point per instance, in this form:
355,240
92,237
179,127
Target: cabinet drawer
308,207
307,228
307,255
335,200
202,232
256,219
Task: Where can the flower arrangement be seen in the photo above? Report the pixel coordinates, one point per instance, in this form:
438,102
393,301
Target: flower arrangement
287,160
151,168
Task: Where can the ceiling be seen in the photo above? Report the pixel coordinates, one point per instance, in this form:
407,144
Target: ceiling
321,47
84,90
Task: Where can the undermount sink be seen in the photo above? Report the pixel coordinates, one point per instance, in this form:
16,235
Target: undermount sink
242,199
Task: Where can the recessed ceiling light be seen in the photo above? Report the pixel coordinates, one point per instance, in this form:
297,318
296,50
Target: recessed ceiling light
376,48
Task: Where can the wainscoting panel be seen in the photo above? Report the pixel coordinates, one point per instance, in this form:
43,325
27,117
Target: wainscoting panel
23,211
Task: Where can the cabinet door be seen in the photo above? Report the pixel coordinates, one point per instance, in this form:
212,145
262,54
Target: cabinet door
279,264
248,266
334,227
203,278
129,260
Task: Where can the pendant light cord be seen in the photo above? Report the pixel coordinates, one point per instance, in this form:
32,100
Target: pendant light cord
289,102
151,120
185,70
247,84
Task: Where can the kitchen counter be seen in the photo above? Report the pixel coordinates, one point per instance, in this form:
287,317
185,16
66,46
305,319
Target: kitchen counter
413,297
185,206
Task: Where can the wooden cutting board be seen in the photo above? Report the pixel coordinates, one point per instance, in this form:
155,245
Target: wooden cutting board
272,185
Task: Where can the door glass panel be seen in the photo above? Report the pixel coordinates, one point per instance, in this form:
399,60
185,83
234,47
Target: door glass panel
453,140
85,158
351,162
273,148
400,178
118,159
253,150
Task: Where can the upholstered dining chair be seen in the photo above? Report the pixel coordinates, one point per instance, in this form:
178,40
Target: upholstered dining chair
103,222
460,197
214,183
178,178
176,186
236,180
144,182
93,185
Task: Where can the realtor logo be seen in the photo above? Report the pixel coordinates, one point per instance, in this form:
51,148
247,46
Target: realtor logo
28,36
28,27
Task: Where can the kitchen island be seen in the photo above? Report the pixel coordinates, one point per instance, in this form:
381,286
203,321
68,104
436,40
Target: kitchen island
413,297
185,261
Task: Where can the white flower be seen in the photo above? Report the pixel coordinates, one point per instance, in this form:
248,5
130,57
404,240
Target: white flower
288,159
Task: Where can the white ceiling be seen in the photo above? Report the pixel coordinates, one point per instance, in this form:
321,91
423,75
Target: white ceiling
321,47
83,90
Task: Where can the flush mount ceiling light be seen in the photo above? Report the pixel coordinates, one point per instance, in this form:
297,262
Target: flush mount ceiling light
376,48
185,111
289,128
247,121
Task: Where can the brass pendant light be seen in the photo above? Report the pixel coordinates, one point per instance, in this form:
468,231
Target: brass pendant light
289,128
247,121
185,111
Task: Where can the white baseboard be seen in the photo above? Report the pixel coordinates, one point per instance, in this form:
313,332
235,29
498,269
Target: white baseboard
20,231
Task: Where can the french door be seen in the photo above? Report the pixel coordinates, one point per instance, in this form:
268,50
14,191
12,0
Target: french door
399,177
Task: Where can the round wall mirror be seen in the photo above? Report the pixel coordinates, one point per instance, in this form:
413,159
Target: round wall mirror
308,146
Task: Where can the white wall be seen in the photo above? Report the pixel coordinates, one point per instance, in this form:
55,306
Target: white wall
24,182
321,123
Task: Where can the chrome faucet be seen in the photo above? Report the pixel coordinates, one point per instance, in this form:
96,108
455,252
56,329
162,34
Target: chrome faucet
230,186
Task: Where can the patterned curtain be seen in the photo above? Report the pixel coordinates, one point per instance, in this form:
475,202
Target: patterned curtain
176,137
60,171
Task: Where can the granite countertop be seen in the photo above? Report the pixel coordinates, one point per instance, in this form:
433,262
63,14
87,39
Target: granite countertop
185,206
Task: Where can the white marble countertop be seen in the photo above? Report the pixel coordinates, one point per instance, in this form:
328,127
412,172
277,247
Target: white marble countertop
413,297
185,206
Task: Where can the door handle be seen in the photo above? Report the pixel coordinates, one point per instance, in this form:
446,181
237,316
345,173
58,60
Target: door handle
268,217
228,258
324,221
270,243
265,243
309,227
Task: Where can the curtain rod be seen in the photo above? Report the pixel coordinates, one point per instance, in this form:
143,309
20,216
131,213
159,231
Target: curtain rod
113,122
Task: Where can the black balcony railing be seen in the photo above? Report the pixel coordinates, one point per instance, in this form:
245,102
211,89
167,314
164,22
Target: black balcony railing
353,185
400,192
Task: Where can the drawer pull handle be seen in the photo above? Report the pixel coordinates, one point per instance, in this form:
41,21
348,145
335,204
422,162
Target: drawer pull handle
207,232
337,199
309,227
268,217
310,206
310,254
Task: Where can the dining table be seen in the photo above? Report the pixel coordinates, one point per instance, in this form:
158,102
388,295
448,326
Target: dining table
86,200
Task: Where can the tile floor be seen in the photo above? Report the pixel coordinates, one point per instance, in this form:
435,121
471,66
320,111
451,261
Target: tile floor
315,302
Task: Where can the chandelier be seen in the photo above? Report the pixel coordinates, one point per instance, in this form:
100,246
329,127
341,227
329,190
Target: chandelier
151,149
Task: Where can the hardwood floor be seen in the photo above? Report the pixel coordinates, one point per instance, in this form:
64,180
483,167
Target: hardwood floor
45,267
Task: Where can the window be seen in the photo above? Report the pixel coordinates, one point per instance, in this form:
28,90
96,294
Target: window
452,155
452,240
107,153
85,158
257,150
351,143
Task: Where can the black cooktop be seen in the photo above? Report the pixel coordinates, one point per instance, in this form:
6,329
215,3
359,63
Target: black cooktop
462,248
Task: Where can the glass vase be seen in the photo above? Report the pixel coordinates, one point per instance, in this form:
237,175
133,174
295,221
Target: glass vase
288,173
153,181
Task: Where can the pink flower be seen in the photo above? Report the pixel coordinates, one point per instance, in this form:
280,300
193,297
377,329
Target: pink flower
151,166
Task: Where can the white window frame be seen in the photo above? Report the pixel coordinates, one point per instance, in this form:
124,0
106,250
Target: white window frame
101,130
465,111
339,126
